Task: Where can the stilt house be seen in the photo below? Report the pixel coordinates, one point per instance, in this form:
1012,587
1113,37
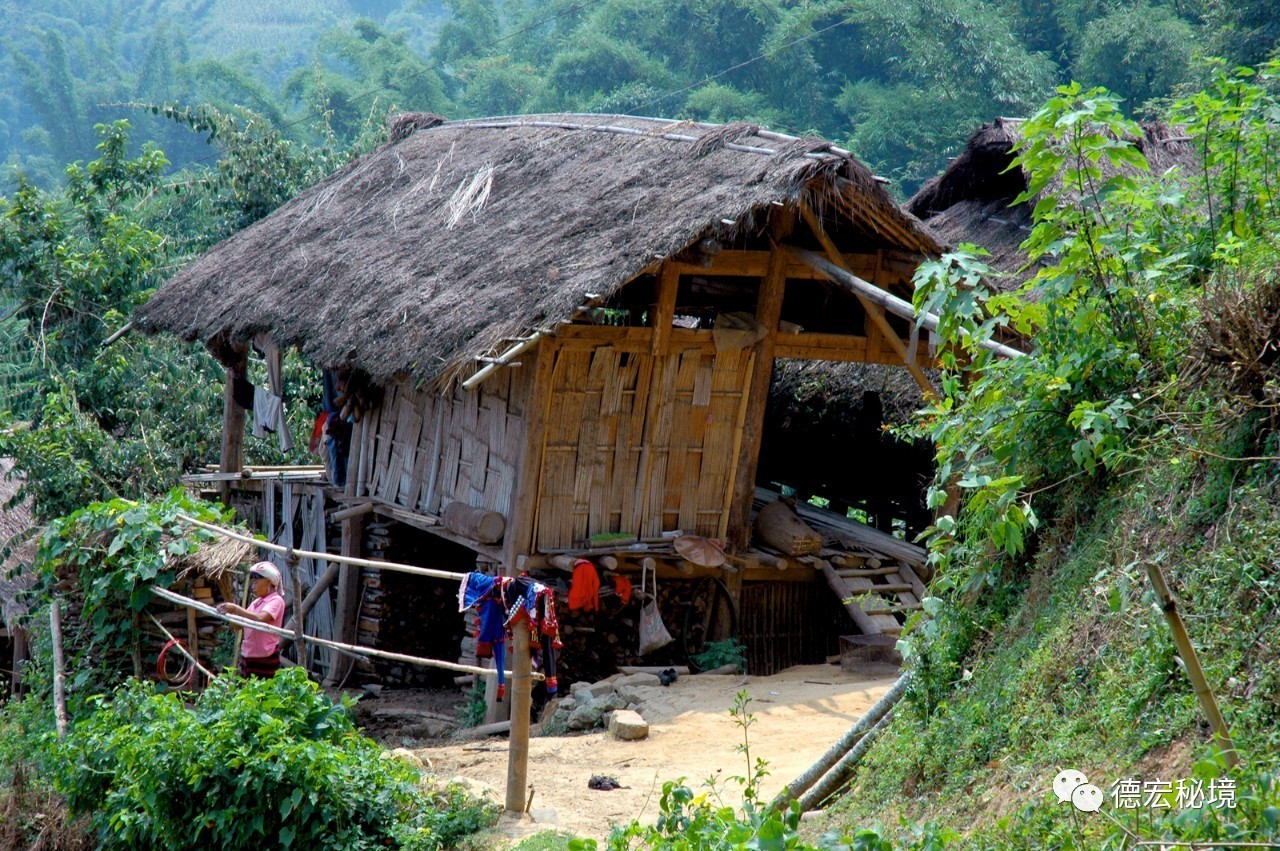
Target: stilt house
570,324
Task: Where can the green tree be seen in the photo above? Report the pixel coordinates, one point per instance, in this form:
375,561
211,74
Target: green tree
1139,52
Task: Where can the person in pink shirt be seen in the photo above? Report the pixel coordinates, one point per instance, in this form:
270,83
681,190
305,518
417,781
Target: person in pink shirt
260,651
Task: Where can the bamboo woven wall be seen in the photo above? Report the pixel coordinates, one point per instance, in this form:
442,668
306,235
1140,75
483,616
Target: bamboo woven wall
471,441
641,444
788,623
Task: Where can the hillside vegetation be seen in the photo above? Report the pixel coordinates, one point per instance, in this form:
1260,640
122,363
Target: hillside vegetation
1142,430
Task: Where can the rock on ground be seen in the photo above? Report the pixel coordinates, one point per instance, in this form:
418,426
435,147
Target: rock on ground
628,725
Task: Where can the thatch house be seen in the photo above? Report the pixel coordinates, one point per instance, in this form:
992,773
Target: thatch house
567,326
972,200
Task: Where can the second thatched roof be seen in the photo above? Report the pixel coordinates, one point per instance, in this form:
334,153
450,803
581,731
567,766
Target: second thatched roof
972,200
458,235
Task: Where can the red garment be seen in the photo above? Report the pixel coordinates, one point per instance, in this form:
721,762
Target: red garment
584,589
622,585
317,433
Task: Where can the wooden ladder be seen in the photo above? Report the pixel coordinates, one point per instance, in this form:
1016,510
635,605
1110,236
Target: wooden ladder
878,597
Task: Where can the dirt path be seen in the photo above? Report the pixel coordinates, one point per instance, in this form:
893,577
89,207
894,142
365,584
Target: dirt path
799,713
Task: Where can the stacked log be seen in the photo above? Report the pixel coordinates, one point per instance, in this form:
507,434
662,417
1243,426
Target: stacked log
778,526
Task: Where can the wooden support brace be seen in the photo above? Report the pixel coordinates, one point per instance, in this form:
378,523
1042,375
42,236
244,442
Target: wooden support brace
873,310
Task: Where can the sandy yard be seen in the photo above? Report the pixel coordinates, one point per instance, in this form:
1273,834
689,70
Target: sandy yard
799,713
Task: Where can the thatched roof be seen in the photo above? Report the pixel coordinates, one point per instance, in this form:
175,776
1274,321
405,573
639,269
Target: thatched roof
457,235
18,544
971,201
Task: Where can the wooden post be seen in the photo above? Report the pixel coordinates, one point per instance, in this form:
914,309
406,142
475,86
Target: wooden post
521,705
300,612
193,638
19,657
495,710
664,310
1192,662
299,619
348,603
768,310
232,457
59,668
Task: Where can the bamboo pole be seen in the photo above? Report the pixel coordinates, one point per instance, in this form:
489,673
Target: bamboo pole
503,359
166,594
178,644
833,755
842,770
521,700
59,669
358,562
1192,662
890,302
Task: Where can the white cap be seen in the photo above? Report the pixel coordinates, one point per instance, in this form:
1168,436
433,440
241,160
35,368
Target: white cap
267,571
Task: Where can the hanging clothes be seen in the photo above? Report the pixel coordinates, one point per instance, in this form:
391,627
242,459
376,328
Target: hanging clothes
622,587
500,602
272,420
584,588
484,593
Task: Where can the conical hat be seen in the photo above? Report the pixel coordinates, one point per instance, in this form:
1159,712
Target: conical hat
699,550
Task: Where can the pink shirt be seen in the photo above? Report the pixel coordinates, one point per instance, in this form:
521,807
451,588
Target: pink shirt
257,643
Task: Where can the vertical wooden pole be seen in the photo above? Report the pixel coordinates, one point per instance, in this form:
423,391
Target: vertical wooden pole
768,311
521,706
664,309
59,668
19,657
298,617
232,458
657,393
348,603
193,638
1188,653
523,514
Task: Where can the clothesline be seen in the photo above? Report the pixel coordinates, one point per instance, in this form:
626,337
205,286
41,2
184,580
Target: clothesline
174,597
352,560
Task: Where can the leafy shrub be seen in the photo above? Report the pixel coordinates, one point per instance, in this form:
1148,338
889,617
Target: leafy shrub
111,552
729,651
256,763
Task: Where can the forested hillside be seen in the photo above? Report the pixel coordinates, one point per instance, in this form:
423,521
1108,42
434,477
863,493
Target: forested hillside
1140,429
902,83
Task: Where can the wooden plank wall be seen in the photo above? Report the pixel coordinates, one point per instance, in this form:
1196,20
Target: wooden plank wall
638,443
480,436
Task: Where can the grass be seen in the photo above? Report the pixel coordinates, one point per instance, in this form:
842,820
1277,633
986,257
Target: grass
1075,667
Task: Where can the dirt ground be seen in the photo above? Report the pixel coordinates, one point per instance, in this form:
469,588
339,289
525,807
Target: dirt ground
799,713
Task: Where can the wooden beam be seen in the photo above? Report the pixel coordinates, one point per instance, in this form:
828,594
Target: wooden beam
664,310
768,311
873,310
846,348
755,264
